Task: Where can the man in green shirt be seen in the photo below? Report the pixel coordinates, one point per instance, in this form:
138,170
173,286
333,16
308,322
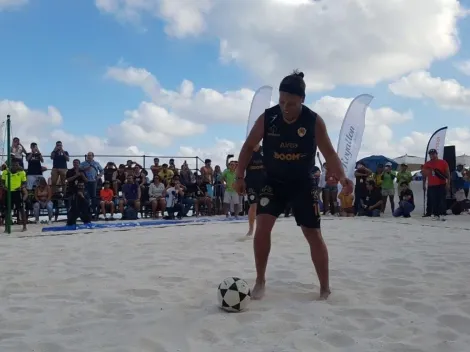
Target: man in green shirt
388,187
404,176
231,197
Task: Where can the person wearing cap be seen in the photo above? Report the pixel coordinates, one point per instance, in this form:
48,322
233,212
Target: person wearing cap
388,187
436,172
458,182
403,176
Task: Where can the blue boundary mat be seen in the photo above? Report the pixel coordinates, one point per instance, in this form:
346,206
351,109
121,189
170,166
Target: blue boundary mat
120,225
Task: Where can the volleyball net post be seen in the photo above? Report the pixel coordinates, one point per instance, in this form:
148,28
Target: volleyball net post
8,218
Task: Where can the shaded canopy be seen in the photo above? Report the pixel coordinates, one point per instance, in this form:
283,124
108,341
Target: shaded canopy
372,161
414,162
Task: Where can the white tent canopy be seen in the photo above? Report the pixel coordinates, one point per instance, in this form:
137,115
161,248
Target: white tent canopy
463,159
414,162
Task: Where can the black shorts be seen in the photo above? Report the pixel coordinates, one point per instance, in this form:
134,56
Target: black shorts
275,196
17,200
253,189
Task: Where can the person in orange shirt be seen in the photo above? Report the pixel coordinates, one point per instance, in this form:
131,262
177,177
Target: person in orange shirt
106,196
436,172
347,203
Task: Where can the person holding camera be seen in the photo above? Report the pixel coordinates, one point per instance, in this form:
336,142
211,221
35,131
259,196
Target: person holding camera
35,168
60,158
174,195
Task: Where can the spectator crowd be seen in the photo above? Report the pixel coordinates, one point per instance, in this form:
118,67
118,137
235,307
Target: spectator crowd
91,192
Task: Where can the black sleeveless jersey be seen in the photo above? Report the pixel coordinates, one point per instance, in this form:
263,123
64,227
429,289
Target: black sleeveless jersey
289,148
255,169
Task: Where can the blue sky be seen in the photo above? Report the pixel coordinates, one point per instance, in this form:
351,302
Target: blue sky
57,52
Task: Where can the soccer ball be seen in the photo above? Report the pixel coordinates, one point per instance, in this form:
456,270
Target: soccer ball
233,294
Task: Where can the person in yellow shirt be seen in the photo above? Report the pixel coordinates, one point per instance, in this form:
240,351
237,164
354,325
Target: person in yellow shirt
17,187
347,203
165,174
377,176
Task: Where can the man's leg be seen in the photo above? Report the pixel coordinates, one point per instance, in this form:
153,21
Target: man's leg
270,206
399,211
54,179
391,196
307,216
442,198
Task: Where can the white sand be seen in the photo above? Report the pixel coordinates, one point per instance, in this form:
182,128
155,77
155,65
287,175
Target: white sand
397,286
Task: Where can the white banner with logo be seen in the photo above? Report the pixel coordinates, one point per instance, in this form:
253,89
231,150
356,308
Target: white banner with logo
437,142
261,101
352,130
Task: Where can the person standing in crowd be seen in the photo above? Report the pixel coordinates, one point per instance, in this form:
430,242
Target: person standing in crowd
466,185
59,157
218,190
377,177
371,201
17,187
93,171
74,175
231,197
388,187
35,170
361,174
403,176
17,152
458,181
407,202
330,192
436,172
156,168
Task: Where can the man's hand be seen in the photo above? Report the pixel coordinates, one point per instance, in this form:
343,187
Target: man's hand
347,184
239,186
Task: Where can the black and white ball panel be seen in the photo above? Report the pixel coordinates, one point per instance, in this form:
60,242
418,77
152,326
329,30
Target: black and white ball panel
234,294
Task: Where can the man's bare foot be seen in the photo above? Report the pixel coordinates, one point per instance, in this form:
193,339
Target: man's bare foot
258,291
324,294
24,229
250,232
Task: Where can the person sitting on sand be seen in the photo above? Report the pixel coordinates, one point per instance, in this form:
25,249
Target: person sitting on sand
107,196
371,201
407,203
347,203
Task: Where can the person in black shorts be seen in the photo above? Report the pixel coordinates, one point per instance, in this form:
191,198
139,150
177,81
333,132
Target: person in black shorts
290,132
254,180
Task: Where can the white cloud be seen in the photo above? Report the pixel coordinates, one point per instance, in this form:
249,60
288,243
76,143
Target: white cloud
448,94
333,109
29,122
203,106
464,67
153,125
12,4
333,42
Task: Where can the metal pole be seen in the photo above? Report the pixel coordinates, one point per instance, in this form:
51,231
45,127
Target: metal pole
197,163
143,164
8,219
